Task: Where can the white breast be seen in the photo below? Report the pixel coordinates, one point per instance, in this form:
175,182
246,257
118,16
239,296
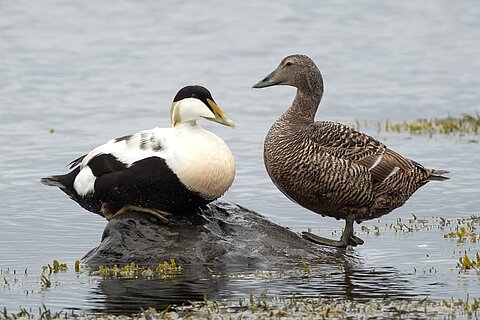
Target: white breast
201,160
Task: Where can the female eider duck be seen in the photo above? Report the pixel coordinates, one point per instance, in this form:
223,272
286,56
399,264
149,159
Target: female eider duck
161,171
330,168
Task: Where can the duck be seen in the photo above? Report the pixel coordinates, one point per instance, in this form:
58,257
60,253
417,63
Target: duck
161,171
330,168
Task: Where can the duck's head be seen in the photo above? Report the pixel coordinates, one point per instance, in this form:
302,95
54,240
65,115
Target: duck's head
192,103
295,70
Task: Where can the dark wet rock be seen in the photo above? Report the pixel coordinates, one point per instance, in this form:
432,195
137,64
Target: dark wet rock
222,233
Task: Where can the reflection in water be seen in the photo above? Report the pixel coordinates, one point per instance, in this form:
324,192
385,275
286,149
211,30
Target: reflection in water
360,283
120,64
346,279
130,295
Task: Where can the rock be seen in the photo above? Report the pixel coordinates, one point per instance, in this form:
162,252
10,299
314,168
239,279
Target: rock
223,233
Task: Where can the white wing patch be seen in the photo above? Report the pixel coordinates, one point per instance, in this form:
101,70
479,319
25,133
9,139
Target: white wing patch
141,145
84,182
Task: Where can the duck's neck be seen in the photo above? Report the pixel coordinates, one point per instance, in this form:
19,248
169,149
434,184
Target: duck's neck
308,97
187,127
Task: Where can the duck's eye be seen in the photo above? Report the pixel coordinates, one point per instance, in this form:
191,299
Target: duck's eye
288,63
194,95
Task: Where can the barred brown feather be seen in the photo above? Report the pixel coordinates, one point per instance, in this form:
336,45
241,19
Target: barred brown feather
330,168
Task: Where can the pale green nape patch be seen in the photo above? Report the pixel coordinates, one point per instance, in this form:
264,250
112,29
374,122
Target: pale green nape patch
175,114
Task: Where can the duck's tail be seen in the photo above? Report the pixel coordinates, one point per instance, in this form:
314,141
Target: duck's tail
437,175
53,181
64,182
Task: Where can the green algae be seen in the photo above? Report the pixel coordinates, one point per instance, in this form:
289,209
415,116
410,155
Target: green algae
465,124
467,263
133,270
265,306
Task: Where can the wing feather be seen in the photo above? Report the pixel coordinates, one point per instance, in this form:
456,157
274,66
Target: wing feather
345,142
76,162
132,148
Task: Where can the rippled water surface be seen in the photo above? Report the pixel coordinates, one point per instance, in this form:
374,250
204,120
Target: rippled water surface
74,74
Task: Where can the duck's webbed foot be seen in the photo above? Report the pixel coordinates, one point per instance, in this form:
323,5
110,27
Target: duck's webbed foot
352,241
347,238
355,241
161,215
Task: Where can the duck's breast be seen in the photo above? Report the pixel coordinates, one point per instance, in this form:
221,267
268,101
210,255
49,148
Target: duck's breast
312,177
203,162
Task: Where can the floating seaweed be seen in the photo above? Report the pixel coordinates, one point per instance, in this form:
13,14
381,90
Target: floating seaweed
265,306
57,266
464,233
465,124
133,270
463,230
467,263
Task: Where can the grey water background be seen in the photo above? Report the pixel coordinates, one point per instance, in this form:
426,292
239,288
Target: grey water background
93,70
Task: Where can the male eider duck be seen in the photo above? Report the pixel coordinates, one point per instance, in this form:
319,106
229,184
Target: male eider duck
330,168
161,171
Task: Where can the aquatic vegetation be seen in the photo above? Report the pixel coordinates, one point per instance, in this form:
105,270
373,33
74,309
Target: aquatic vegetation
463,230
10,278
470,309
262,305
464,233
45,281
307,267
399,226
465,124
375,230
265,306
49,269
133,270
77,265
57,266
269,274
43,313
467,263
303,269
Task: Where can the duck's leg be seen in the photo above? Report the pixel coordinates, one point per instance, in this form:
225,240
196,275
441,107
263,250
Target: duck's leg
347,238
162,215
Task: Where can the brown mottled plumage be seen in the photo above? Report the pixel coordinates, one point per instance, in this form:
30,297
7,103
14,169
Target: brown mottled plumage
330,168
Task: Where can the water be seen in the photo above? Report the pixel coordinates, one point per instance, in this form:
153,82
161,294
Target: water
91,71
